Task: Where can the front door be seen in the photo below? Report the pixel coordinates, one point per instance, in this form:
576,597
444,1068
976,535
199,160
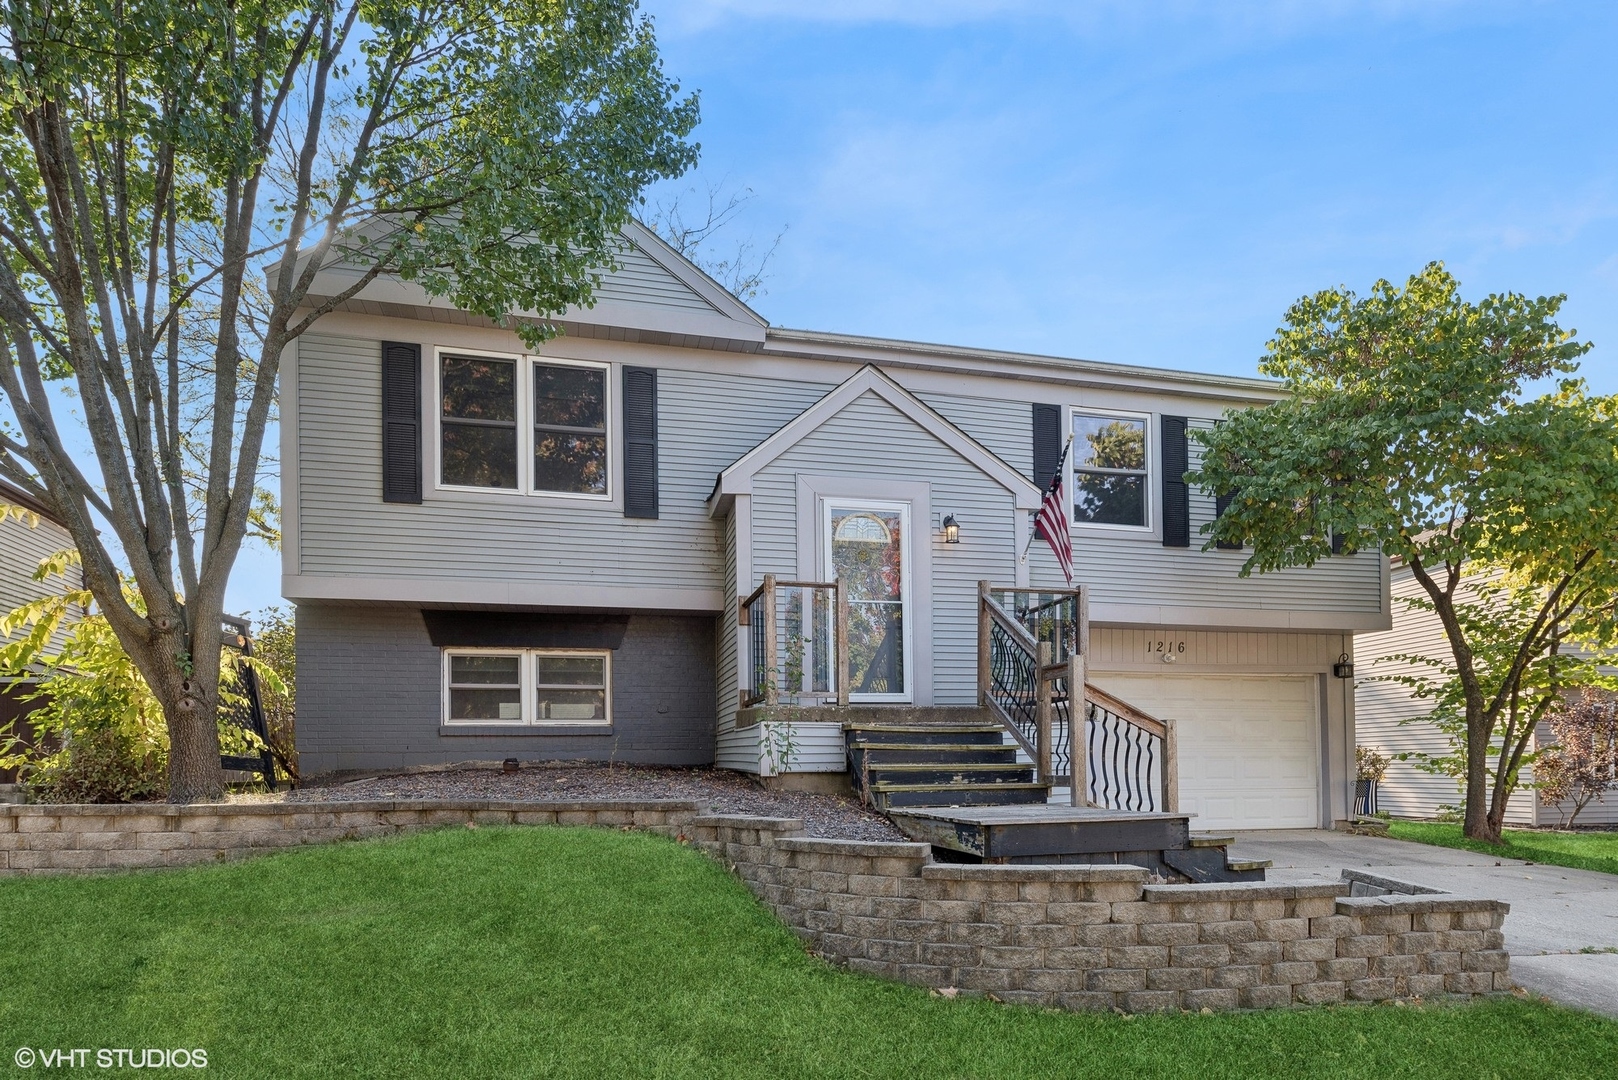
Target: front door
867,546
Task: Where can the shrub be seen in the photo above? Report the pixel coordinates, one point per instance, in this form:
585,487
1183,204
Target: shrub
1369,765
1583,764
112,744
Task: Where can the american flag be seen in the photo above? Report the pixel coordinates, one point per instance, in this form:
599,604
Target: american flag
1051,521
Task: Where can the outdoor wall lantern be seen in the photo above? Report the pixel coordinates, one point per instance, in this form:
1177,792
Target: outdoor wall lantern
1344,668
952,531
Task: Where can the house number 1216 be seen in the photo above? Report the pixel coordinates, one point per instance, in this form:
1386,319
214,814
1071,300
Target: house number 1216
1156,647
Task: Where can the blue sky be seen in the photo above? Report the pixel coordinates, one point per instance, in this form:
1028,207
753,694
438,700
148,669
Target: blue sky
1147,183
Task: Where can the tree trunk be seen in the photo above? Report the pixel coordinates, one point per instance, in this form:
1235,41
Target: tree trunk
182,669
1478,825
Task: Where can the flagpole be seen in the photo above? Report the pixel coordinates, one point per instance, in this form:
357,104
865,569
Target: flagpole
1061,463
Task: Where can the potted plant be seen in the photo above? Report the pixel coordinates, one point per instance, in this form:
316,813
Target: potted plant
1369,767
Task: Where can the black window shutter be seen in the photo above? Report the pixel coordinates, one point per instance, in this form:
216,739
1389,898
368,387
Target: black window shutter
401,422
1221,504
640,442
1047,442
1176,492
1337,544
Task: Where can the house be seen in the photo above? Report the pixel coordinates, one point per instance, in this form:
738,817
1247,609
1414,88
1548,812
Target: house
1390,720
496,552
24,542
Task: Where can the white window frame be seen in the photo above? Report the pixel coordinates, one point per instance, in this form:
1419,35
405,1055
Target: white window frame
523,683
524,389
532,683
1071,470
527,682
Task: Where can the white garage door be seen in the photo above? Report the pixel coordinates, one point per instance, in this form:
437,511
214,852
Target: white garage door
1248,756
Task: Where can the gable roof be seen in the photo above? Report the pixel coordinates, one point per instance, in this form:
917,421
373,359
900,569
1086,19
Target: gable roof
655,295
737,478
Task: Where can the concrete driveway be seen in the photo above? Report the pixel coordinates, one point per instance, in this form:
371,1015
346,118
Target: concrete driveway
1555,912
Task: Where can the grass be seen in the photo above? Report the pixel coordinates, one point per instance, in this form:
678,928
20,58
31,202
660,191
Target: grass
583,953
1579,850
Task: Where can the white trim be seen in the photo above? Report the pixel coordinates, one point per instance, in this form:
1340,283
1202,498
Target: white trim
1149,495
527,687
606,687
484,593
291,535
523,388
611,428
907,548
1237,619
524,707
692,276
737,478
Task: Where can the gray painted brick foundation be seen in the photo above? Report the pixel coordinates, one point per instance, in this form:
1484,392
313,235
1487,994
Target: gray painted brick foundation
369,694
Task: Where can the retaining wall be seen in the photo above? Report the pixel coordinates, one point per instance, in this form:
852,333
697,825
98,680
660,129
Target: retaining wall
1077,937
45,839
1100,937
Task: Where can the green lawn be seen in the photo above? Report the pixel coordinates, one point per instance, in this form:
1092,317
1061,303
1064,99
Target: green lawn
1580,850
571,952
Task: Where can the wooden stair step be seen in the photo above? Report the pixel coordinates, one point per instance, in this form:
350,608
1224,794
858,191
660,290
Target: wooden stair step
1248,864
945,766
907,747
1211,840
888,785
923,729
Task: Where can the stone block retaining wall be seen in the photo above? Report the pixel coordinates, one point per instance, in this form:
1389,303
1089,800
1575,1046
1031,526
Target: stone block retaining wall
1099,937
1078,937
45,839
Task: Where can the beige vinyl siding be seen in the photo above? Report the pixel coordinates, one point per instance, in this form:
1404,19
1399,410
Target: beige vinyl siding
1382,706
872,439
706,421
1119,649
22,547
639,279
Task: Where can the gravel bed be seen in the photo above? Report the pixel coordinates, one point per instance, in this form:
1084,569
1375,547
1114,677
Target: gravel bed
721,790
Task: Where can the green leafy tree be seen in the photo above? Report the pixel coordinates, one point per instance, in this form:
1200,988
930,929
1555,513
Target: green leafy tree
1411,427
174,175
98,733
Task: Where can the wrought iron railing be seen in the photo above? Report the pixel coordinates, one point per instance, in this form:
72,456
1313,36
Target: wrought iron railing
797,643
1032,648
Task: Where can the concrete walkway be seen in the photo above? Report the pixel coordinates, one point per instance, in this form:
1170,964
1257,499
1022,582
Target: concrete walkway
1556,913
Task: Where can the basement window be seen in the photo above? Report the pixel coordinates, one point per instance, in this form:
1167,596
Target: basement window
527,687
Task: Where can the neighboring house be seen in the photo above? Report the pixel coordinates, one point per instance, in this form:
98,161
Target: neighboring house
500,553
1383,706
23,545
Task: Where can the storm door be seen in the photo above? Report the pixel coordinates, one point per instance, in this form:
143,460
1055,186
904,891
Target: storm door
867,546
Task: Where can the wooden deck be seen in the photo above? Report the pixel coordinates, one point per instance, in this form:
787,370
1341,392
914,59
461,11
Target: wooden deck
1042,831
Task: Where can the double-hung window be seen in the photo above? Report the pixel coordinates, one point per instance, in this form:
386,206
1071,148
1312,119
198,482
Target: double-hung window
531,687
570,429
523,425
1110,478
478,430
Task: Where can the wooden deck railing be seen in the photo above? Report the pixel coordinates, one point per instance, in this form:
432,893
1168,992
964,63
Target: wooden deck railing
798,638
1032,648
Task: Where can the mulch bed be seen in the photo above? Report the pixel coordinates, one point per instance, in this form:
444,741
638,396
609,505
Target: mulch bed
721,790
